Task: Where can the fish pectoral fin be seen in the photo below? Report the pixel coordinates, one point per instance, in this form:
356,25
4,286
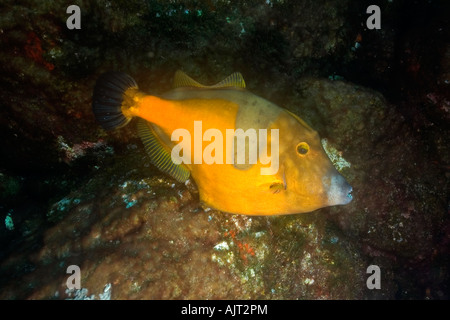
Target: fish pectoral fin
278,183
235,80
274,187
159,156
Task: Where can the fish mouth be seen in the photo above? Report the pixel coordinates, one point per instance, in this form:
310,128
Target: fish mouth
339,192
349,196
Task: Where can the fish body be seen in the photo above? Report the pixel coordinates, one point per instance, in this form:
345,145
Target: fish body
246,154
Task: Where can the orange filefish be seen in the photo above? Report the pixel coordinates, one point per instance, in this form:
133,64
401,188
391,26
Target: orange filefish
245,154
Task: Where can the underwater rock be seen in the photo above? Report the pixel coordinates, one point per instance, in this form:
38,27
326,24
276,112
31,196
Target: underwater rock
400,188
145,235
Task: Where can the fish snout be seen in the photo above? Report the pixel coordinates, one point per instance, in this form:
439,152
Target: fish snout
338,190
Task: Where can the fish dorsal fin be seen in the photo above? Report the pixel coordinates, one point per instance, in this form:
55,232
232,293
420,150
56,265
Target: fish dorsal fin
181,79
234,80
159,156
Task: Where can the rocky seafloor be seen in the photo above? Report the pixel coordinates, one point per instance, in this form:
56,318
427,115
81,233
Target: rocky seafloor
73,194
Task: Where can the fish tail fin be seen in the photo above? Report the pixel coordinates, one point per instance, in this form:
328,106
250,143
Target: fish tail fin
113,93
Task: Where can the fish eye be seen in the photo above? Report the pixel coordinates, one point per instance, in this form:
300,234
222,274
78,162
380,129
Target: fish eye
302,148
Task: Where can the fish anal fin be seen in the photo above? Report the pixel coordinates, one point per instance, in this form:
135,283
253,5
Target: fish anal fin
159,156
